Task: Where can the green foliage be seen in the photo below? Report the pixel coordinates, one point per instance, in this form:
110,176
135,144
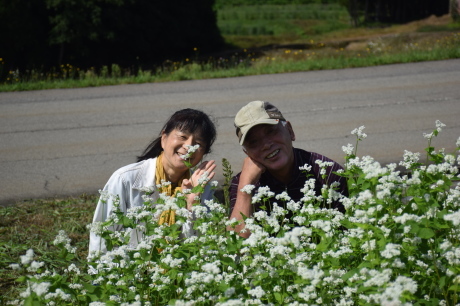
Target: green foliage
228,176
288,20
34,224
226,3
398,49
397,243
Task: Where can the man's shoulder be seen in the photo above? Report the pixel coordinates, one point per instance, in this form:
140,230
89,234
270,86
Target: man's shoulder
311,157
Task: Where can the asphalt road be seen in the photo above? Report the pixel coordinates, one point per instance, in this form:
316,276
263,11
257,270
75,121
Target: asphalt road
69,141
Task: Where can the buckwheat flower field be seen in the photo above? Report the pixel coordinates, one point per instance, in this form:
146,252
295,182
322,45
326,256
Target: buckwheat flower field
398,243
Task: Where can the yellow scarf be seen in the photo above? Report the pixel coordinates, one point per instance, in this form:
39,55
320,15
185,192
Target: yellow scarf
168,216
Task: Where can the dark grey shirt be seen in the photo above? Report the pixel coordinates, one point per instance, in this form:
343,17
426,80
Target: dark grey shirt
299,178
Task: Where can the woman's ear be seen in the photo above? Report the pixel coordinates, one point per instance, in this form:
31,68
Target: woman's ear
163,138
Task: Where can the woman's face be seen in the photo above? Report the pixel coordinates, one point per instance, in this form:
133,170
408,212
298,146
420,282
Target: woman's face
176,144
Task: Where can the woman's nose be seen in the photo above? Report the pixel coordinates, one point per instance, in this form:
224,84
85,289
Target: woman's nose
189,141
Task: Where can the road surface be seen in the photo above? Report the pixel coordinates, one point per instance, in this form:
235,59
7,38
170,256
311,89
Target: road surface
69,141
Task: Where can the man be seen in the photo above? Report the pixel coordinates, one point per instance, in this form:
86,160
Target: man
272,161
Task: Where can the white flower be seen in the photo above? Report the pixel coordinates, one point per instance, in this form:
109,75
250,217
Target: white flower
428,135
409,159
305,167
391,250
439,125
257,292
40,288
348,149
359,132
62,238
190,150
283,196
26,259
454,217
262,192
203,178
211,268
15,266
248,189
147,189
314,275
34,266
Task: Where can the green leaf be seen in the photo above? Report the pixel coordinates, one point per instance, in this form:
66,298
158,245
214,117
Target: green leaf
425,233
278,297
30,301
21,279
228,261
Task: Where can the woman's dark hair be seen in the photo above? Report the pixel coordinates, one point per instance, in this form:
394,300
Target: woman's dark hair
187,120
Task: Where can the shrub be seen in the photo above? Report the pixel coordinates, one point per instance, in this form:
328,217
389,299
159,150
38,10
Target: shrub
396,244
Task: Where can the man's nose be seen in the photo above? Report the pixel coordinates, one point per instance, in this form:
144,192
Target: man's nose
266,144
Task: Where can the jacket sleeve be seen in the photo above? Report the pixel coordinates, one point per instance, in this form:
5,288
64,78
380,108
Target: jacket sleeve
114,190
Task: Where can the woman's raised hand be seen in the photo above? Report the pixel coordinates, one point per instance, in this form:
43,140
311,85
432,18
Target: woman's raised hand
201,176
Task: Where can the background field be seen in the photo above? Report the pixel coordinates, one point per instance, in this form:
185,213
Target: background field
271,38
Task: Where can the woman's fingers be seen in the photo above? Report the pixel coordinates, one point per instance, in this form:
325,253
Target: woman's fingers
204,172
207,165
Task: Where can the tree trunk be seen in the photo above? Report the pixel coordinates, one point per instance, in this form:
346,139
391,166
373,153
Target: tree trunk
455,10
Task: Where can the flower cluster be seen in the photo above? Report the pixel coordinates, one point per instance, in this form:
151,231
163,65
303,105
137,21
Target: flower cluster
398,243
190,150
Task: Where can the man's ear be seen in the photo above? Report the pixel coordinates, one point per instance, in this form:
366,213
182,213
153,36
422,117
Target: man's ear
291,130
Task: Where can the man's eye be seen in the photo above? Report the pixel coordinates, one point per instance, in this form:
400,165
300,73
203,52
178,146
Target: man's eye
252,143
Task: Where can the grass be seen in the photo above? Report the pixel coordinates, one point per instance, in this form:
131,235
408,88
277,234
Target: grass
273,39
34,224
282,23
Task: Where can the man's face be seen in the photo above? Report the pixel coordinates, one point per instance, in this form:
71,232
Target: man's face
271,145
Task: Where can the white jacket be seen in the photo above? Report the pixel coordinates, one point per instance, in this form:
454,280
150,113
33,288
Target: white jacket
129,184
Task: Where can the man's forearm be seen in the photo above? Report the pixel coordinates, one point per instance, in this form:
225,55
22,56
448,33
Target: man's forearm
242,207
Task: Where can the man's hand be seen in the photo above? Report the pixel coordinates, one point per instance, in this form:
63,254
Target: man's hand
251,172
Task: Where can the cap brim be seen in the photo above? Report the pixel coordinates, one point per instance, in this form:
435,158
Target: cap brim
259,122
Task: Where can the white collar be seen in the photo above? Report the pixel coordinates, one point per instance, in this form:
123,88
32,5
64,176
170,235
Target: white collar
146,175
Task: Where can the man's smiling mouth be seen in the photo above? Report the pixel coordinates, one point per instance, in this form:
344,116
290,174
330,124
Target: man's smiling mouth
272,154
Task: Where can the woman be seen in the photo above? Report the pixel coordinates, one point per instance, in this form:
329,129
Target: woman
183,141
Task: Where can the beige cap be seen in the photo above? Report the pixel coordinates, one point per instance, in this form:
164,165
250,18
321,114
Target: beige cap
255,113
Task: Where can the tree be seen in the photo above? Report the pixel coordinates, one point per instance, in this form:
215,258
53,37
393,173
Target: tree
23,31
86,33
393,11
